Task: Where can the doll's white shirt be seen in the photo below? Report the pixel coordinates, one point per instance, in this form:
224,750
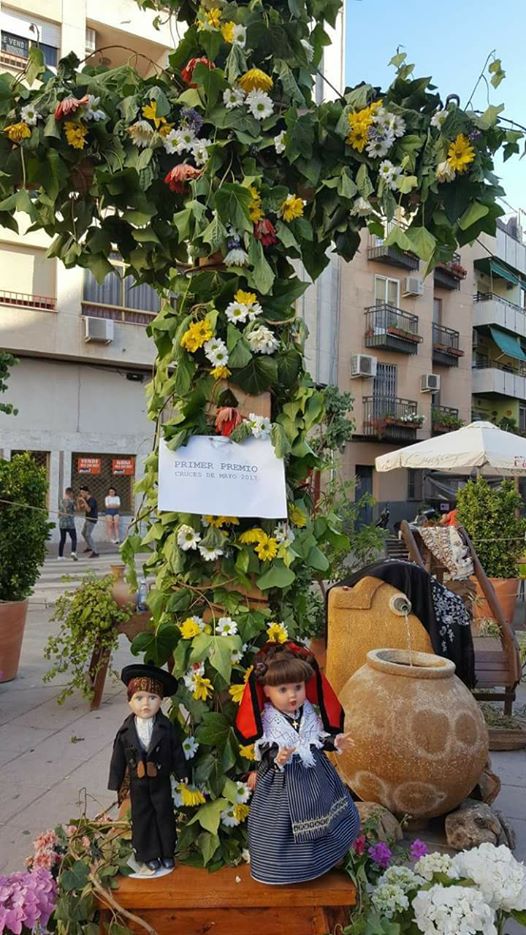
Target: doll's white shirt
144,728
278,730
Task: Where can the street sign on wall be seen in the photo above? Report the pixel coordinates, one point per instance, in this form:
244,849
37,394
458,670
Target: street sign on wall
123,467
89,465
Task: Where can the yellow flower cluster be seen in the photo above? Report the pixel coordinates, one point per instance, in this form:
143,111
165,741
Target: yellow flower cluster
17,132
297,516
189,795
219,521
359,124
241,812
252,536
291,208
277,633
460,154
220,373
213,17
245,298
196,335
255,209
75,134
189,628
247,752
255,80
227,31
202,688
267,549
236,692
149,112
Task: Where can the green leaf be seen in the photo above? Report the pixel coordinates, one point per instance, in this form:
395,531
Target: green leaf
209,815
36,65
99,266
406,183
211,81
239,353
474,213
208,845
346,187
289,366
214,234
497,72
213,730
422,242
76,877
262,275
489,117
317,560
257,376
397,237
365,186
220,656
185,369
278,576
200,647
232,202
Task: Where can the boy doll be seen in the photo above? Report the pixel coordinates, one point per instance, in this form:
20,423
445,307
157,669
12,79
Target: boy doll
146,751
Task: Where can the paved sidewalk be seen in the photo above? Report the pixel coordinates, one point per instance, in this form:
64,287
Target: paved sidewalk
53,757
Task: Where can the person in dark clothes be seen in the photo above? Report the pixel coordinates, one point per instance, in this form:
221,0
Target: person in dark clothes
89,506
146,752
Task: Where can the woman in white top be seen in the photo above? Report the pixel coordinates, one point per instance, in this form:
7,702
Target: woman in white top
112,505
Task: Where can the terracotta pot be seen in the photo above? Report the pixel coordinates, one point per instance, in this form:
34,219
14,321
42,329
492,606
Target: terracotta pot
120,589
506,591
420,741
12,624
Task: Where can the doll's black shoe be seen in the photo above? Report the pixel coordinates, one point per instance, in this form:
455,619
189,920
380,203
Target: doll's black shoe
153,864
169,863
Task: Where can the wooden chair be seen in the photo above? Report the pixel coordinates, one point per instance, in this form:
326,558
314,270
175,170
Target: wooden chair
497,662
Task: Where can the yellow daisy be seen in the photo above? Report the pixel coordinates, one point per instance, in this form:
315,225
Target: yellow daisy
277,633
75,134
220,373
189,795
291,208
248,752
189,628
227,31
297,516
17,132
460,154
357,138
253,535
202,688
255,208
267,550
245,298
213,17
196,335
255,80
240,812
149,112
219,521
236,692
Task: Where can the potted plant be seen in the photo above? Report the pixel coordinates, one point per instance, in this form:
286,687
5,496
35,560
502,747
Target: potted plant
491,516
24,529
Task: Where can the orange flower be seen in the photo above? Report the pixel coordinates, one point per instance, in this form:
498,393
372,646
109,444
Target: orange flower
188,70
227,419
69,105
178,177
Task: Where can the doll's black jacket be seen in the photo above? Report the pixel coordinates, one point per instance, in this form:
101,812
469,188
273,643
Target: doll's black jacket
165,751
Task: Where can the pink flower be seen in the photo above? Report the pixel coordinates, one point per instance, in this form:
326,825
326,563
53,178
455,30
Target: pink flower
69,105
178,177
227,419
359,845
418,849
265,231
188,70
85,841
26,899
380,854
70,830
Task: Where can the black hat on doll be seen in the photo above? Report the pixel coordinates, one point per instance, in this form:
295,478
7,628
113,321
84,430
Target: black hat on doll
149,679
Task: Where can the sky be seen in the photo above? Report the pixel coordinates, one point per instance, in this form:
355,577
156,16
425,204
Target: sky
449,41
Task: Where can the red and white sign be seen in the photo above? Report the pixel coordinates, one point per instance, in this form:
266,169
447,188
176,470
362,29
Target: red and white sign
89,465
123,466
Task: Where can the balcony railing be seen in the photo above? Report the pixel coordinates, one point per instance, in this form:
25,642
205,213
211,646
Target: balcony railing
389,327
446,350
129,316
44,303
390,418
484,362
444,419
392,255
448,275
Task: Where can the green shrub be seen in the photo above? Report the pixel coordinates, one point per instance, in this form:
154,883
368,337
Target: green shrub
24,526
491,517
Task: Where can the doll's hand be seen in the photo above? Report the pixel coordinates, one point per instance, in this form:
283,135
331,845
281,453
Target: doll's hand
252,779
283,756
343,742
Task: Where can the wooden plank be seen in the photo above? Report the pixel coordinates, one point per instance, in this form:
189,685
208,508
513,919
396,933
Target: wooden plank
313,920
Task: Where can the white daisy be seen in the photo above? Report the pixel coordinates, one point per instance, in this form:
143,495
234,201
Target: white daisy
29,115
179,141
389,173
233,97
259,426
379,146
239,36
200,151
445,172
141,133
190,747
187,538
254,310
279,142
284,534
90,111
236,257
237,312
242,793
209,555
228,819
216,352
397,125
237,654
226,626
196,670
439,118
259,104
262,341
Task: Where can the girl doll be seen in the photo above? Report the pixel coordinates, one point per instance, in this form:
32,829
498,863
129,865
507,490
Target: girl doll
146,752
302,819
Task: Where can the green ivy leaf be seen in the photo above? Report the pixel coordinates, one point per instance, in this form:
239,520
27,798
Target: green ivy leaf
214,234
232,202
209,815
262,275
213,730
257,376
422,242
277,576
474,213
220,655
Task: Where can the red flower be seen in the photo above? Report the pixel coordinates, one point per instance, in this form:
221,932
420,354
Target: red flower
69,105
227,419
359,845
188,70
265,231
178,177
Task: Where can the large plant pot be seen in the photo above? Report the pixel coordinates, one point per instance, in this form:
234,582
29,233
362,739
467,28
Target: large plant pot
12,624
419,738
506,592
121,592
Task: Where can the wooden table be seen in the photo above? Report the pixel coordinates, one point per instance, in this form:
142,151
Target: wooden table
191,901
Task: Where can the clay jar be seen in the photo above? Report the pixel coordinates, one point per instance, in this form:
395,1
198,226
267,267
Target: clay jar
420,741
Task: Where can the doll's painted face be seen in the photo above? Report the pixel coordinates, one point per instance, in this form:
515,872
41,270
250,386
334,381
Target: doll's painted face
286,698
145,704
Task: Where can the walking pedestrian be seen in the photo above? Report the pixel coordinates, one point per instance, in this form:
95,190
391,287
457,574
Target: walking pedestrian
89,506
112,505
66,524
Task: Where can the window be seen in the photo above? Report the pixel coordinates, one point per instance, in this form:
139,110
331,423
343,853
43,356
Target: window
96,472
19,46
522,418
415,485
120,291
384,383
437,311
386,291
26,272
523,297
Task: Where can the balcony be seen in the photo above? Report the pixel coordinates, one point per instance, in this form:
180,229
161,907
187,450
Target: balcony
449,275
42,303
492,309
446,351
444,419
392,256
390,419
492,377
128,316
392,329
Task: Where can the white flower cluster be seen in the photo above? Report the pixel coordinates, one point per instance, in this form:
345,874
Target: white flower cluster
259,103
240,312
183,140
403,877
384,130
261,340
209,555
389,173
453,910
187,538
500,878
216,352
389,898
284,534
259,425
279,142
196,670
433,863
226,627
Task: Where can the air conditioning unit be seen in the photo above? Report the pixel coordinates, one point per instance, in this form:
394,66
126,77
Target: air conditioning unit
363,365
430,383
98,329
413,285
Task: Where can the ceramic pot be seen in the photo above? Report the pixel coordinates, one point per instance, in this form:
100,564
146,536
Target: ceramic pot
420,741
506,592
12,624
120,589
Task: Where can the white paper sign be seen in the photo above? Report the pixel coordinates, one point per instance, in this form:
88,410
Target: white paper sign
214,475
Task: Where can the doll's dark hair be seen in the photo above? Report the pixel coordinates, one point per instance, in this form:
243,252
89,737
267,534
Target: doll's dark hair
280,666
